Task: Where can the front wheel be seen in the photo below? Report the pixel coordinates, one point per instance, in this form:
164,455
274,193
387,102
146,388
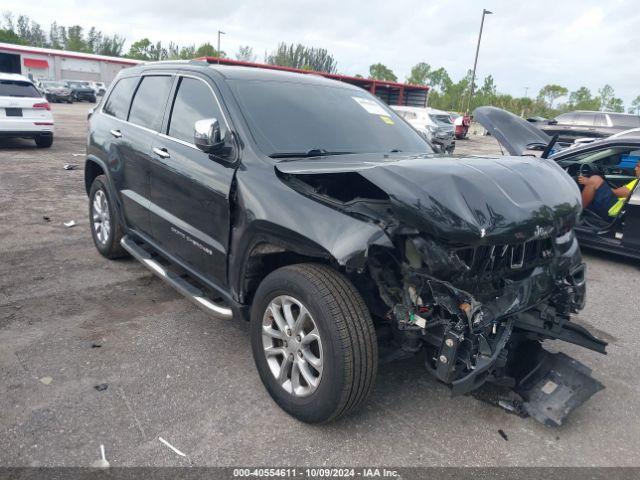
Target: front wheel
313,342
105,227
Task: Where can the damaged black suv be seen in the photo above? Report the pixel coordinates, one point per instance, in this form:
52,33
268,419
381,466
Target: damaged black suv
309,208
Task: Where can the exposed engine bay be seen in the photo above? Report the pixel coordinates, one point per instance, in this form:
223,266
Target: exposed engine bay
476,283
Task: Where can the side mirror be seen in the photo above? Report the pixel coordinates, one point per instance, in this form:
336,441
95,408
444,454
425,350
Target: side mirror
208,136
552,122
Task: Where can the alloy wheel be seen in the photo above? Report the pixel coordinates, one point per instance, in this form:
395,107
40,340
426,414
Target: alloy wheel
292,346
100,217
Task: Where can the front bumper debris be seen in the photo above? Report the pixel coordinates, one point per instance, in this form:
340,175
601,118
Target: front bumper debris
556,386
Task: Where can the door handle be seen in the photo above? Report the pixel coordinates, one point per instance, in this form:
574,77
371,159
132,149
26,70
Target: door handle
116,133
161,152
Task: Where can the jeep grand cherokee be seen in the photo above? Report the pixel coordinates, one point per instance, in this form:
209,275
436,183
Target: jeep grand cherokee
309,208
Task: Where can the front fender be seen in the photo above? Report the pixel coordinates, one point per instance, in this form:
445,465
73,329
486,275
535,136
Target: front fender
267,211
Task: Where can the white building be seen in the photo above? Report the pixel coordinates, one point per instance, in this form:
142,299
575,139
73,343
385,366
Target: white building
46,63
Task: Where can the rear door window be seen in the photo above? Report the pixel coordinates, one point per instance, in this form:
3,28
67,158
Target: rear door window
18,88
117,105
149,101
194,101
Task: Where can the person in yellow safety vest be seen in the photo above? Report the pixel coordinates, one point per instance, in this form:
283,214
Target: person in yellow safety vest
599,197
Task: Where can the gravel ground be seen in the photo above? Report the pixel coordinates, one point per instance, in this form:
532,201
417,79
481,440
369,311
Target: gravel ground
71,320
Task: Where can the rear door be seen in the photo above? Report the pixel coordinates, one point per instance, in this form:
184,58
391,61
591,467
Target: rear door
22,107
143,123
190,189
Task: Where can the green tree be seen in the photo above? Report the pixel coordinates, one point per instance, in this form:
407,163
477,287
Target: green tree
208,50
75,40
145,50
440,79
616,105
609,101
299,56
550,93
378,71
245,54
9,36
111,45
419,74
581,99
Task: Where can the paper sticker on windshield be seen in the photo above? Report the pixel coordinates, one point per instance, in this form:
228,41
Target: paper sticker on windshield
371,106
386,120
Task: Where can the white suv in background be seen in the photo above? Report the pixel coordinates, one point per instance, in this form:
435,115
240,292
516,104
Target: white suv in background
24,112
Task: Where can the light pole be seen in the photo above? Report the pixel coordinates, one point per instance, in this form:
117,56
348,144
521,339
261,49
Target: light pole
219,33
475,62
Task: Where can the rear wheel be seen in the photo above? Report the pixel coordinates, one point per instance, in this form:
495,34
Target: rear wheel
105,227
44,141
313,342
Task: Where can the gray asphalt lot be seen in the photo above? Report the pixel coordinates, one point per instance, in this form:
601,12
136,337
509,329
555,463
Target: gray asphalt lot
175,372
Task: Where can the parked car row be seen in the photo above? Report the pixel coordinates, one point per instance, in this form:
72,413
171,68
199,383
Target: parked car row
70,90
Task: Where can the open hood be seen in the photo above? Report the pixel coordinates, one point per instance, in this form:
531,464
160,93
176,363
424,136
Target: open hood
471,200
514,133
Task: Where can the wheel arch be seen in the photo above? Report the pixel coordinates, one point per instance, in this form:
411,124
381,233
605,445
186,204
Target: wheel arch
268,248
93,168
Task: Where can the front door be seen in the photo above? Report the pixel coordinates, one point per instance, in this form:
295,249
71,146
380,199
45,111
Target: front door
190,189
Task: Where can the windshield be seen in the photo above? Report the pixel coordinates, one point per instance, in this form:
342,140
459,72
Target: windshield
18,88
77,85
53,84
288,118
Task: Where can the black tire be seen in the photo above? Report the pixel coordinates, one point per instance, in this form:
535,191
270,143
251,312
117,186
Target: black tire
111,248
350,350
44,141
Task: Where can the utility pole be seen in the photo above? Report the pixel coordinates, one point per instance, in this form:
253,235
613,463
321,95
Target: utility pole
526,89
475,62
219,33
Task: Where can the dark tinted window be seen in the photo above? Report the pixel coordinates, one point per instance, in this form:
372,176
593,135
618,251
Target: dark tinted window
585,118
17,88
194,101
117,104
291,118
619,120
149,101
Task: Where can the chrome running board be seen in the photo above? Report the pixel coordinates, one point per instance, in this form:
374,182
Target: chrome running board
190,291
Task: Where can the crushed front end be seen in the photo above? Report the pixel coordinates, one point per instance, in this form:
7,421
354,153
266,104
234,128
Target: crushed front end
480,312
475,265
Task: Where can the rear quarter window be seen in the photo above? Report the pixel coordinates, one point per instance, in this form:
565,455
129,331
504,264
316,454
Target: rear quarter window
630,121
117,105
18,88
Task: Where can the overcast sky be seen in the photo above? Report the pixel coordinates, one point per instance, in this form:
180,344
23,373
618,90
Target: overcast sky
525,43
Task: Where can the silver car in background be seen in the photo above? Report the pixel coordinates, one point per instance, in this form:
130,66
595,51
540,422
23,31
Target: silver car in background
435,125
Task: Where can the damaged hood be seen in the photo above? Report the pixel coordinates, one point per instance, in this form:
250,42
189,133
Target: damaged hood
515,134
467,200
